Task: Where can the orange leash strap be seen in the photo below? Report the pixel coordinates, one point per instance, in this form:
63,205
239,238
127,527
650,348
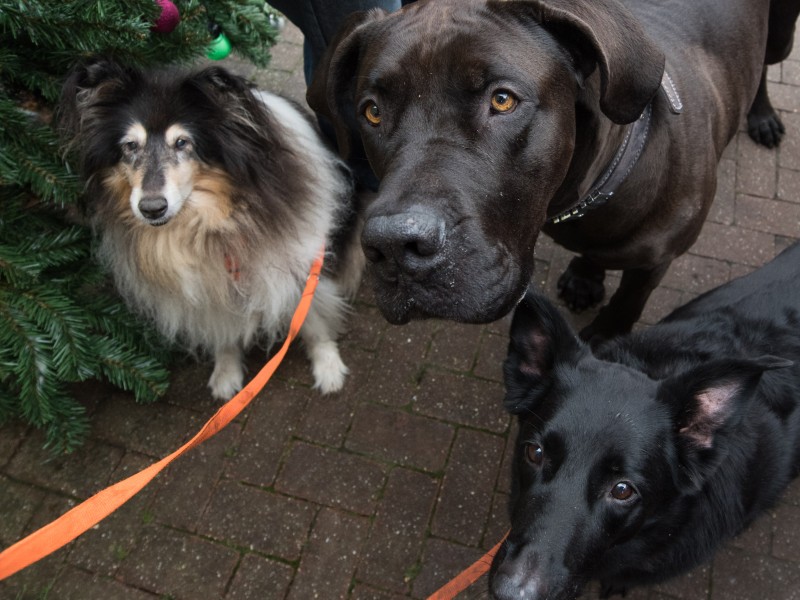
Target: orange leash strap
86,515
468,576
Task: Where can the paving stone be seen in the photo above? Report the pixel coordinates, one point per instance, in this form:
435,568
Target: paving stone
696,274
155,429
498,523
784,97
185,487
790,72
272,419
36,581
661,303
757,537
11,436
330,558
789,185
331,478
327,420
737,244
363,592
82,473
188,387
491,354
259,578
19,502
789,151
103,548
259,520
182,566
294,369
695,585
365,329
75,584
792,494
391,555
772,216
741,575
465,498
454,346
462,400
755,169
785,525
393,378
400,437
442,561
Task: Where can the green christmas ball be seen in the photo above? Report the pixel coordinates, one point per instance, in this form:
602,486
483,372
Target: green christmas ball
219,48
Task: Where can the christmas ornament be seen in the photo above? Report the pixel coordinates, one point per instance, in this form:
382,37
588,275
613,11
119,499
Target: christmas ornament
169,17
220,46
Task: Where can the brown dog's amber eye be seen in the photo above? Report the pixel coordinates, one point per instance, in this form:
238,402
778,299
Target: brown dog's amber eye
535,454
622,491
373,114
503,101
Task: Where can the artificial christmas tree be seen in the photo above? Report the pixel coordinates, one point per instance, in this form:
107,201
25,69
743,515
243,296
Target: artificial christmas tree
60,321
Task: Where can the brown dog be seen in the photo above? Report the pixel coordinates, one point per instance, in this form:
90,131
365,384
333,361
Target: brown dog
488,121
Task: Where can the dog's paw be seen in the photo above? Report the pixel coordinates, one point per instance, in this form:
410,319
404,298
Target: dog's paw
766,130
327,366
226,379
581,285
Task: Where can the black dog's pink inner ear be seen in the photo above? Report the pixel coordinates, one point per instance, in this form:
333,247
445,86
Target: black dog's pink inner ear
712,406
534,350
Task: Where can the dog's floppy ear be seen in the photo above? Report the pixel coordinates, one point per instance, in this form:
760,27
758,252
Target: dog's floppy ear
332,89
605,33
84,85
540,337
707,402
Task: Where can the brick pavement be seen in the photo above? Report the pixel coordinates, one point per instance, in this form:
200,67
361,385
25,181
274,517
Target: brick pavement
387,489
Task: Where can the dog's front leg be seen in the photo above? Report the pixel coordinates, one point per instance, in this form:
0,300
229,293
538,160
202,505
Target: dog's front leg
228,375
322,327
626,305
581,285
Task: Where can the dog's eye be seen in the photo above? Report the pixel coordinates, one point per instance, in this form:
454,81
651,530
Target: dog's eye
181,143
503,101
130,147
535,454
622,490
373,114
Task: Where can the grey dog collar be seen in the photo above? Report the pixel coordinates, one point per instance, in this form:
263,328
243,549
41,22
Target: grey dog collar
624,160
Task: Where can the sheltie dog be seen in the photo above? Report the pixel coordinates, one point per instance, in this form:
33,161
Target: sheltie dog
210,201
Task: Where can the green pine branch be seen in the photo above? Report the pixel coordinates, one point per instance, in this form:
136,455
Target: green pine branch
60,320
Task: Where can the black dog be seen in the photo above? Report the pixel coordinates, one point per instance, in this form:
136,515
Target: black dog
635,462
488,121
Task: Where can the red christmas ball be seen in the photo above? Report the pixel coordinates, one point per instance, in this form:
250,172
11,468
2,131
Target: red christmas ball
169,18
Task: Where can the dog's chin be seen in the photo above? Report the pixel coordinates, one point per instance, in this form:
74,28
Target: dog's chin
401,302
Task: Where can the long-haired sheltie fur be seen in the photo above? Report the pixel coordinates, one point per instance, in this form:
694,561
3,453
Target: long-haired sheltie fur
211,201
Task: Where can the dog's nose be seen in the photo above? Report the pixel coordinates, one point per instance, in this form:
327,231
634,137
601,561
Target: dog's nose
153,207
411,241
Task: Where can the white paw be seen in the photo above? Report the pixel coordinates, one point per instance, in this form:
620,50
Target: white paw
226,380
328,368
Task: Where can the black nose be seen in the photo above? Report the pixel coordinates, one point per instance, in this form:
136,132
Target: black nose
411,241
153,207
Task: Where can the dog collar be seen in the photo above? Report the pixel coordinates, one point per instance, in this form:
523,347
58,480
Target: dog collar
625,158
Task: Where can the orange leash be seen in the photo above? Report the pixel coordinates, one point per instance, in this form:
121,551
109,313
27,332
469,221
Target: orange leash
90,512
468,576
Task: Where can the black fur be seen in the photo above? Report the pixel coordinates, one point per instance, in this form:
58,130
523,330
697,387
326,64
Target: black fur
698,415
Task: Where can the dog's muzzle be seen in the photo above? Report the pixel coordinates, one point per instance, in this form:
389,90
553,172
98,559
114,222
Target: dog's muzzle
409,244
